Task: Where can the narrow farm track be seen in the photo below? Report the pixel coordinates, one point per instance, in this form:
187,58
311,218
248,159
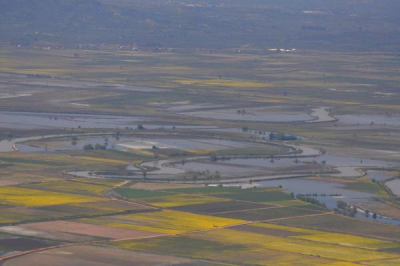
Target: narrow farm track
387,259
300,216
248,210
19,254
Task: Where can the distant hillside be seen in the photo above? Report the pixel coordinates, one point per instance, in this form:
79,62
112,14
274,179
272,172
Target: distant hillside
315,24
68,21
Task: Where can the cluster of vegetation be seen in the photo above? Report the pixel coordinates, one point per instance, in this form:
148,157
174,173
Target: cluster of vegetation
90,147
351,210
311,200
345,209
281,136
207,174
38,76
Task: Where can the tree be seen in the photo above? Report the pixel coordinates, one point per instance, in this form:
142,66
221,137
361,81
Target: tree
99,147
217,175
341,205
88,147
271,136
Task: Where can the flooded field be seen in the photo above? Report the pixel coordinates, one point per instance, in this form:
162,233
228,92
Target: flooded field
12,95
8,145
126,142
187,144
270,114
394,186
26,120
255,115
90,85
328,193
310,161
321,114
225,170
347,166
57,144
57,120
191,107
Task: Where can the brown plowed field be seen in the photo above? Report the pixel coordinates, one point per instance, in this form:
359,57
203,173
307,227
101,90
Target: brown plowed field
87,229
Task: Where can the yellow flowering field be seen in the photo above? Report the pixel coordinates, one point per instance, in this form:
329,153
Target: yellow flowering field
33,197
286,228
329,251
101,160
333,238
340,263
164,222
200,152
395,262
225,253
71,187
349,240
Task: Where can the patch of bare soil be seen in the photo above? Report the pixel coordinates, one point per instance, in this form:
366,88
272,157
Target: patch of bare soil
34,232
87,229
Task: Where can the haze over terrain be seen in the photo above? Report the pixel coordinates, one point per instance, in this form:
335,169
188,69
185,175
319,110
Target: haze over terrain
199,132
312,24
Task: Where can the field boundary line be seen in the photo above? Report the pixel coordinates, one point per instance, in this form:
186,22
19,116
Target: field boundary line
248,210
300,216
